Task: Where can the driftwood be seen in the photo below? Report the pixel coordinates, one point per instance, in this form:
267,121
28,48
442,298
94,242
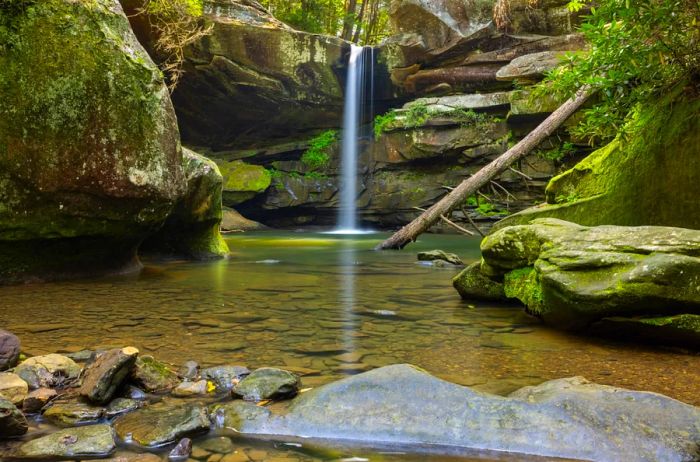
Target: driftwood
471,185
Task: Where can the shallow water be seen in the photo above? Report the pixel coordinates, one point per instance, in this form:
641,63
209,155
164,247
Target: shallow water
327,306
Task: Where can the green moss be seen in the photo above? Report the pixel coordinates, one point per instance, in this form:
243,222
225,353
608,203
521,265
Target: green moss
317,156
523,284
242,177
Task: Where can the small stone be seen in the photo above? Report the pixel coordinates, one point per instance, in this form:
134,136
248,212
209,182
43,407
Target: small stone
48,371
268,383
9,350
133,392
225,377
191,389
75,412
86,441
37,399
13,388
182,451
102,378
153,375
439,255
189,370
12,421
220,445
120,406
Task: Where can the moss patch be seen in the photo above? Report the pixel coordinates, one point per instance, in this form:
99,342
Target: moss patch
524,284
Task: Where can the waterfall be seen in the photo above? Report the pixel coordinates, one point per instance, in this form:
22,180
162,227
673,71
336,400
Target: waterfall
361,58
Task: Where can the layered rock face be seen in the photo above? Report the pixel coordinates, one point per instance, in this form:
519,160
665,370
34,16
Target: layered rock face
573,276
90,161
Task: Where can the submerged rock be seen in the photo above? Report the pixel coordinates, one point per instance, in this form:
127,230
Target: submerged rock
102,378
13,388
9,350
90,164
567,418
12,421
153,375
268,383
162,424
181,451
434,255
48,371
90,441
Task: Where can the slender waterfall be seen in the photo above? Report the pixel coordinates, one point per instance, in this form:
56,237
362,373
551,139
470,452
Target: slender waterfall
361,59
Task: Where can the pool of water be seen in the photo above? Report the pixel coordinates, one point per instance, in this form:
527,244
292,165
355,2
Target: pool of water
327,306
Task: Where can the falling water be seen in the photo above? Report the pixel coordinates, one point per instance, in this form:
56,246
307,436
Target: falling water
355,98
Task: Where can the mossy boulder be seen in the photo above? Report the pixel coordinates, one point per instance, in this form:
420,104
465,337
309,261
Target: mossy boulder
153,375
243,181
90,161
193,228
682,329
471,283
571,275
651,177
90,442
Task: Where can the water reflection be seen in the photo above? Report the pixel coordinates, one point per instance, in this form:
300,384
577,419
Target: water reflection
346,294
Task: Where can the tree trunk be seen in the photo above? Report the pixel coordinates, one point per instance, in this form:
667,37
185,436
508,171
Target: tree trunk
411,231
358,23
349,20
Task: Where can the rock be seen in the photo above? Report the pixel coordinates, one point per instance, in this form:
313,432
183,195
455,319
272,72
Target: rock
48,371
218,445
243,181
567,418
551,17
531,68
9,350
37,399
12,421
571,275
192,229
90,164
162,424
182,450
71,412
473,285
136,393
153,375
189,370
120,406
102,378
89,441
185,389
240,416
225,377
234,221
681,330
268,383
447,104
434,255
13,388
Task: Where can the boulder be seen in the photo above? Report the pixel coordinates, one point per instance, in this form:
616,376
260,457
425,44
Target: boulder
572,275
102,378
531,68
192,229
90,164
90,441
9,350
12,421
200,387
441,255
567,418
243,181
234,221
224,377
162,424
472,284
72,412
13,388
182,450
267,383
153,375
48,371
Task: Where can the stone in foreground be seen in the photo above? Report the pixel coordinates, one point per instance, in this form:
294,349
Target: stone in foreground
268,383
102,378
12,421
48,371
568,418
162,424
91,441
13,388
73,412
153,375
9,350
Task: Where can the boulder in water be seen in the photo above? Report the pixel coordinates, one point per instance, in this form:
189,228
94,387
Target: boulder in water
153,375
90,441
162,424
12,421
102,378
268,383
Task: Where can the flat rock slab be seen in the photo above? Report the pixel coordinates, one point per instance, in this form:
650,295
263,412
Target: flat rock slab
90,441
403,405
162,424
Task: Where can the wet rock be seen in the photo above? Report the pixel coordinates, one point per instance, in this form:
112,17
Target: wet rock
9,350
531,68
219,445
473,285
162,423
434,255
185,389
189,370
225,377
240,416
102,378
48,371
37,399
13,388
12,421
82,356
153,375
71,412
234,221
88,441
267,383
136,393
120,406
567,418
681,330
181,451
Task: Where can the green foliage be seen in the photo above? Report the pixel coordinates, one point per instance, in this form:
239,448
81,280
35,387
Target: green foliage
417,114
575,6
569,198
316,156
640,50
315,176
383,121
558,153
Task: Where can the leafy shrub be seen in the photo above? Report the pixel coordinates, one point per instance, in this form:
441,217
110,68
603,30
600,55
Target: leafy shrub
316,156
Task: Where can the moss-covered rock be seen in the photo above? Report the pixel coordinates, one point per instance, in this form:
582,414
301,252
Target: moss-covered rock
193,228
243,181
90,161
153,375
682,329
649,178
92,441
472,284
